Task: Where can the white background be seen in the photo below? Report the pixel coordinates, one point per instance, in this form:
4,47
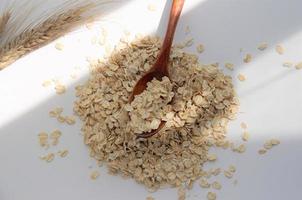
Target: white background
271,103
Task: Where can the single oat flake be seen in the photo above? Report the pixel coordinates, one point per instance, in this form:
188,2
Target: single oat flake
216,185
212,157
70,120
275,141
48,158
232,169
241,77
204,183
216,171
200,48
55,112
43,139
94,175
55,136
59,46
247,58
181,193
61,119
63,153
262,46
243,125
228,174
229,66
298,66
245,136
288,64
60,89
268,145
261,151
211,196
241,148
46,83
279,49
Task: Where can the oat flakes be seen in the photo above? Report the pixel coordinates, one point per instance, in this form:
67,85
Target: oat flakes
203,102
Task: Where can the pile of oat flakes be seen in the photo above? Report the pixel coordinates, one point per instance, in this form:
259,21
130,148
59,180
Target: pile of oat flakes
203,102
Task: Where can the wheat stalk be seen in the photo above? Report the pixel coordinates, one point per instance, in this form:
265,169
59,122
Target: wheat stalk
40,35
3,21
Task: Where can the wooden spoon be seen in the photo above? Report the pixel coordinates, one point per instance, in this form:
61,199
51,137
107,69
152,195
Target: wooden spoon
160,67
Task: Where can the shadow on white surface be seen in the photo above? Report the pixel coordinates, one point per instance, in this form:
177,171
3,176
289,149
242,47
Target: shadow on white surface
224,27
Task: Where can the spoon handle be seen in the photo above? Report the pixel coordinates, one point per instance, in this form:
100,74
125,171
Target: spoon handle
164,54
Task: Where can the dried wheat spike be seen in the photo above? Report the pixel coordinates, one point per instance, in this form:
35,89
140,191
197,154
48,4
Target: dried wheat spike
41,35
3,21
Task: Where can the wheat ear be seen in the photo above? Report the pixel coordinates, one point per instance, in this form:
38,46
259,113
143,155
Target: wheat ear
3,21
41,35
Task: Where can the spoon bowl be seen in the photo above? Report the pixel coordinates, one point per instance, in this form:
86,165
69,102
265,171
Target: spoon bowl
160,67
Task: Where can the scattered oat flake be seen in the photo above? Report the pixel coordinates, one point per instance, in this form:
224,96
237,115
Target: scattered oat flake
226,145
279,49
204,183
245,136
61,119
63,153
216,185
43,139
200,48
228,174
212,157
241,148
94,175
268,145
261,151
55,135
59,46
232,168
216,171
298,66
275,141
262,46
211,196
60,89
181,193
243,125
55,112
229,66
70,120
46,83
152,7
288,64
189,42
149,198
241,77
247,58
48,158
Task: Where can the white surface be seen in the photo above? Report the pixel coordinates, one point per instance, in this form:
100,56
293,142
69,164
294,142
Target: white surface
270,104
